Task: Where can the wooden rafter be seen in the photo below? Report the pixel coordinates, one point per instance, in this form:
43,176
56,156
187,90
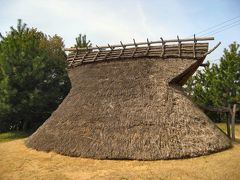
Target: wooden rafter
122,50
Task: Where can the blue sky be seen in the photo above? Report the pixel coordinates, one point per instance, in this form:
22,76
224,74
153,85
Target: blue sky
109,21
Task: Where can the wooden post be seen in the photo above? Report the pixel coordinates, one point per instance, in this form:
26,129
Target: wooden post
228,122
148,48
135,48
179,47
122,50
163,47
194,46
233,122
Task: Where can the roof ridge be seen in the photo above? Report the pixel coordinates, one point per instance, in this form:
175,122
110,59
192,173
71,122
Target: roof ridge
182,49
161,41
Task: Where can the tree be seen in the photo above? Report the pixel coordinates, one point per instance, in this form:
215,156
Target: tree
33,77
202,87
229,75
4,99
81,41
218,85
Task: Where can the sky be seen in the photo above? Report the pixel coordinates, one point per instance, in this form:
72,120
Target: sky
111,21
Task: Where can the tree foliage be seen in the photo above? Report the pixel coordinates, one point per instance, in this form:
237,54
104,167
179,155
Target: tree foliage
33,79
218,85
81,41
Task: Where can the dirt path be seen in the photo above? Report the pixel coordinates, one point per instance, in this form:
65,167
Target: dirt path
19,162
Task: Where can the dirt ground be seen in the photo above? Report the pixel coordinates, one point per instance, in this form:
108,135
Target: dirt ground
19,162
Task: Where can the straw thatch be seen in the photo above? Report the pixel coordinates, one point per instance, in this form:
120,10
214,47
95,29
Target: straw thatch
130,109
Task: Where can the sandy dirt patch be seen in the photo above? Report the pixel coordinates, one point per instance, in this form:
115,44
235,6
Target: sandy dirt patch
19,162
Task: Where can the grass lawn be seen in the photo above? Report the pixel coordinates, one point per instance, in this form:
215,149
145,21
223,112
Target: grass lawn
19,162
9,136
223,126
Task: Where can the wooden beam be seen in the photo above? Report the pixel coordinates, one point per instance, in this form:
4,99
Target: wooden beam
84,56
214,109
70,65
215,47
204,64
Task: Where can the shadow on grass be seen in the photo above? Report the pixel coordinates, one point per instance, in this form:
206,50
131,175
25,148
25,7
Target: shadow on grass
9,136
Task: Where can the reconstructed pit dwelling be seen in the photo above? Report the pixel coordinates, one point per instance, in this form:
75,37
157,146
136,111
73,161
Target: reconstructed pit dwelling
127,102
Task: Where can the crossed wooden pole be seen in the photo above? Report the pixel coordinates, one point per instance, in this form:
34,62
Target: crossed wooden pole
230,120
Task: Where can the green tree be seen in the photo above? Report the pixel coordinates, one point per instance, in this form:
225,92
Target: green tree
33,77
229,75
81,41
5,107
203,86
218,85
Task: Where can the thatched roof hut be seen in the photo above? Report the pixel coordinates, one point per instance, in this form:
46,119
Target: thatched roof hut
127,102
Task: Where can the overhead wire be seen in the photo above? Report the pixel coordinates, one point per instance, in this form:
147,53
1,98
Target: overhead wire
219,27
223,28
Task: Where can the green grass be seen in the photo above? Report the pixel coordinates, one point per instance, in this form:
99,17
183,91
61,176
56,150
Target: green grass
9,136
223,126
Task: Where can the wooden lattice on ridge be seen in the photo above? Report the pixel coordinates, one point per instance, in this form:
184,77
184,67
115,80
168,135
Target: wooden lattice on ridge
184,48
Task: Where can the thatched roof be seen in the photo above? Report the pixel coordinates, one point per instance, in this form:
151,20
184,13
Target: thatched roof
131,108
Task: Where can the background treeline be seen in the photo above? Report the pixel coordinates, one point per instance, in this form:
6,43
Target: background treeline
33,77
34,81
